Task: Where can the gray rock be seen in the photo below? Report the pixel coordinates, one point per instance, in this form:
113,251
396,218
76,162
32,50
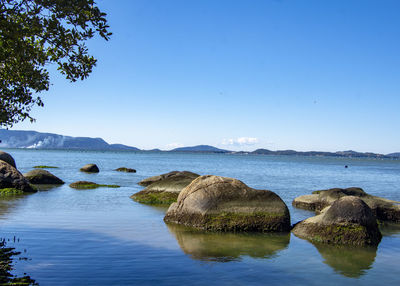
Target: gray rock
165,188
7,158
12,178
40,176
90,168
226,204
383,209
348,221
179,175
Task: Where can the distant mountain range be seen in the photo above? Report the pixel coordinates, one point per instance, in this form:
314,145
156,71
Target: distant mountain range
38,140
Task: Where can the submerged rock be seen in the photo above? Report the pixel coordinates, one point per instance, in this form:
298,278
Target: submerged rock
165,188
12,178
126,170
45,167
90,168
7,158
226,204
85,185
40,176
348,221
383,209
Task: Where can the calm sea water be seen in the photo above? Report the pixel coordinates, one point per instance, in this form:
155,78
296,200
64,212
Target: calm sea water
102,237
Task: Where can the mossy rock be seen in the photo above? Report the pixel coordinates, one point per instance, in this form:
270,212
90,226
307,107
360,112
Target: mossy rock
10,192
349,221
155,198
45,167
90,168
383,209
225,204
126,170
85,185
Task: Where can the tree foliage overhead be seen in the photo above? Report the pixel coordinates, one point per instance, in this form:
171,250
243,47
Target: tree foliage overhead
35,33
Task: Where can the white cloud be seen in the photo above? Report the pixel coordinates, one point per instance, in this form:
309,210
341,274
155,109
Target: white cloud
174,145
241,141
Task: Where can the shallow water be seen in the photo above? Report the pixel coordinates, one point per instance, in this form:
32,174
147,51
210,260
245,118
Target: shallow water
102,237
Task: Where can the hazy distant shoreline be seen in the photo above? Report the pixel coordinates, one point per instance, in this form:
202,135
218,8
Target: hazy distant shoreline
21,139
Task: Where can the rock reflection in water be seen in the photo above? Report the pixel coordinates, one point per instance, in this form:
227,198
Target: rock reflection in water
8,203
348,261
389,228
225,247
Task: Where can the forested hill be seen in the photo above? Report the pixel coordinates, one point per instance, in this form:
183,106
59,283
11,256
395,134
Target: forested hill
38,140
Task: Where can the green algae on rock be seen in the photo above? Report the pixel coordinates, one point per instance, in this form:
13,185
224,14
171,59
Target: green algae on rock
85,185
155,198
45,167
225,204
40,176
126,170
383,209
10,192
349,221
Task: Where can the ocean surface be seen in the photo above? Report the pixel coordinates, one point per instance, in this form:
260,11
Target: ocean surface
102,237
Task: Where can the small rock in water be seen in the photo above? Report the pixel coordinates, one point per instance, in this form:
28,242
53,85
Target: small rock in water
40,176
90,168
126,170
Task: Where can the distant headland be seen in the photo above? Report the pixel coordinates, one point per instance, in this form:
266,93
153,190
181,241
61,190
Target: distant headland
38,140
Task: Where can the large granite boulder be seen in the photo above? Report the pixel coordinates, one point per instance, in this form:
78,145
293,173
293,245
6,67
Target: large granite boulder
90,168
40,176
7,158
226,204
348,221
383,209
165,188
12,178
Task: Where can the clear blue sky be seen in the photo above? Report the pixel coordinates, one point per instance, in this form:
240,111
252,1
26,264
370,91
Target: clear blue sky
303,75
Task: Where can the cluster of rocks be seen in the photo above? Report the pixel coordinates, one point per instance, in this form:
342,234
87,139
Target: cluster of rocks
13,182
343,216
383,209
